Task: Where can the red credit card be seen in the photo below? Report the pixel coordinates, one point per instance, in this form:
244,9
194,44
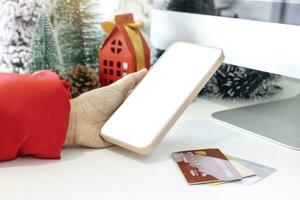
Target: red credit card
205,166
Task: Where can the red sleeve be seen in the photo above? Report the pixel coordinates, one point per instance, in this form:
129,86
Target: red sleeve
34,115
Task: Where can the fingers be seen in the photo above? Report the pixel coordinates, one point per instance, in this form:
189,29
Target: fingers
98,143
127,83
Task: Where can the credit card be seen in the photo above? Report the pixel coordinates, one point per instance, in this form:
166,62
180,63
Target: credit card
205,166
243,170
261,171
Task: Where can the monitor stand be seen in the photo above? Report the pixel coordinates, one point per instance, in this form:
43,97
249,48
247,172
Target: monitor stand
278,121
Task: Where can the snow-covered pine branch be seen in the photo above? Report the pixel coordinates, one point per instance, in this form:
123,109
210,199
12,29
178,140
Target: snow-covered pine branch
17,19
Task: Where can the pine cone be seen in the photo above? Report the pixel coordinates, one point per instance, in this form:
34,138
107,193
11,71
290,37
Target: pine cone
82,79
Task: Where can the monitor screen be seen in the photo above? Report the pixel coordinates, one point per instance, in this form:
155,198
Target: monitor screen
279,11
261,34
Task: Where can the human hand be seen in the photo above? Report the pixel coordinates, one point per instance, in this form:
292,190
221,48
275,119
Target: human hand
91,110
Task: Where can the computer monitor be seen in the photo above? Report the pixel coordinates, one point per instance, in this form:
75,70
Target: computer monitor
265,37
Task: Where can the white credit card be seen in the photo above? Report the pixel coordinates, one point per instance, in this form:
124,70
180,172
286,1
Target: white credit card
261,171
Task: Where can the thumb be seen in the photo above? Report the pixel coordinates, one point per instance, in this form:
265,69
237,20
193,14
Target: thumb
127,83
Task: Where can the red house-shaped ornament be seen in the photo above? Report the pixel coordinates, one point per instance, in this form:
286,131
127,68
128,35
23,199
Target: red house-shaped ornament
124,50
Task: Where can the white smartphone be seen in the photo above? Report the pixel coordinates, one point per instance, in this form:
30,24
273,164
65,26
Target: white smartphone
152,108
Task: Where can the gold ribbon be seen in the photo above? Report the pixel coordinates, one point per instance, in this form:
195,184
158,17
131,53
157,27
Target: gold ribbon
135,38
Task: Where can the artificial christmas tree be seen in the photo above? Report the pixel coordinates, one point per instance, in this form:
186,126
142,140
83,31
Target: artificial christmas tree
78,32
82,79
17,19
44,50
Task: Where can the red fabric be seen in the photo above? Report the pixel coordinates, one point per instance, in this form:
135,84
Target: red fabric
34,115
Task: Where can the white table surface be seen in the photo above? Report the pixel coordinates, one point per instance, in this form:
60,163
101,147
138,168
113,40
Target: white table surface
115,173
